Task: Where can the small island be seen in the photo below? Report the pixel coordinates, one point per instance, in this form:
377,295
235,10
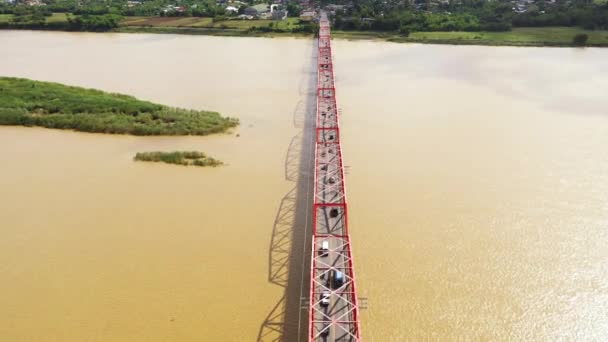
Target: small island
26,102
186,158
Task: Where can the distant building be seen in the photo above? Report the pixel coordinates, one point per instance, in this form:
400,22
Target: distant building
279,15
232,9
250,11
34,3
308,16
257,10
332,9
172,9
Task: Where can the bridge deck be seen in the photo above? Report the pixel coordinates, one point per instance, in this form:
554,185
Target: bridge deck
337,320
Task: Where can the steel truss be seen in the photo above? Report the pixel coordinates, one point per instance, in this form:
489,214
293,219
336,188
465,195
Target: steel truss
337,320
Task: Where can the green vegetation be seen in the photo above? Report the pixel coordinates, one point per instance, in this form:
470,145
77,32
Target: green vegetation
113,22
85,22
57,17
528,36
167,22
580,39
5,18
95,15
52,105
194,25
479,22
467,15
37,20
180,158
547,36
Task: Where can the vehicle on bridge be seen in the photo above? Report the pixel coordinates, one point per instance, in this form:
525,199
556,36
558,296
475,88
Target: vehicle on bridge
336,279
324,251
325,298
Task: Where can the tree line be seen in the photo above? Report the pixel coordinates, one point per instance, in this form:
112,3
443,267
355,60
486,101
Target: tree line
467,15
201,8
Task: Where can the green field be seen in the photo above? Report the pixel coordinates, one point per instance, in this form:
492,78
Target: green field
5,18
57,17
518,36
54,18
167,21
195,22
287,24
527,36
31,103
530,36
356,35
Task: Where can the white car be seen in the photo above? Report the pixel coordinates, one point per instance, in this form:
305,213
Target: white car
324,251
325,298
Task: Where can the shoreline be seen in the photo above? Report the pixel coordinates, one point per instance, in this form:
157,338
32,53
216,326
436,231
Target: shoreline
526,39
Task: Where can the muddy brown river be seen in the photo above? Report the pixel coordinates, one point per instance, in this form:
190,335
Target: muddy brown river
477,182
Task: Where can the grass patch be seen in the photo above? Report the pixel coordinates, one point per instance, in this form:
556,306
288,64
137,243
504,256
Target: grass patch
127,21
54,18
57,18
5,18
179,158
208,23
31,103
167,21
286,24
536,36
523,36
202,22
206,31
356,35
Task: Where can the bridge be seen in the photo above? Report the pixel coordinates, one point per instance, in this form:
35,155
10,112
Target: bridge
333,308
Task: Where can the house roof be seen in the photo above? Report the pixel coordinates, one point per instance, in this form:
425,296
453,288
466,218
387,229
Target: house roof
261,8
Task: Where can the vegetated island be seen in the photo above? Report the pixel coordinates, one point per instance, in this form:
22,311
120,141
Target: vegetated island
186,158
25,102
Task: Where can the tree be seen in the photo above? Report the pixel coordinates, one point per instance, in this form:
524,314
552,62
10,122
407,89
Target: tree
293,9
580,39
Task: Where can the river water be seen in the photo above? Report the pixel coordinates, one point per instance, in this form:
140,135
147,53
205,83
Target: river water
477,183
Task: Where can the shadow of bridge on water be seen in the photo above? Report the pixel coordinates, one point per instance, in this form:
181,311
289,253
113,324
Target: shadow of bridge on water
290,243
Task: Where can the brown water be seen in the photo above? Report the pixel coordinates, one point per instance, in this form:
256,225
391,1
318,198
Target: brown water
478,187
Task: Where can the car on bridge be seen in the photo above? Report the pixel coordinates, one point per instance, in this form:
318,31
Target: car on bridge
324,250
336,279
325,298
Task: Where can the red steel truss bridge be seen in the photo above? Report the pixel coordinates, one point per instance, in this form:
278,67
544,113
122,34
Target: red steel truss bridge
333,306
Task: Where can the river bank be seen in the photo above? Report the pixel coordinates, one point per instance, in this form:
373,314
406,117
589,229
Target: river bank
292,27
544,36
525,36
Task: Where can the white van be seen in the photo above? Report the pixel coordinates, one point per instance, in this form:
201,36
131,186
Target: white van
324,250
